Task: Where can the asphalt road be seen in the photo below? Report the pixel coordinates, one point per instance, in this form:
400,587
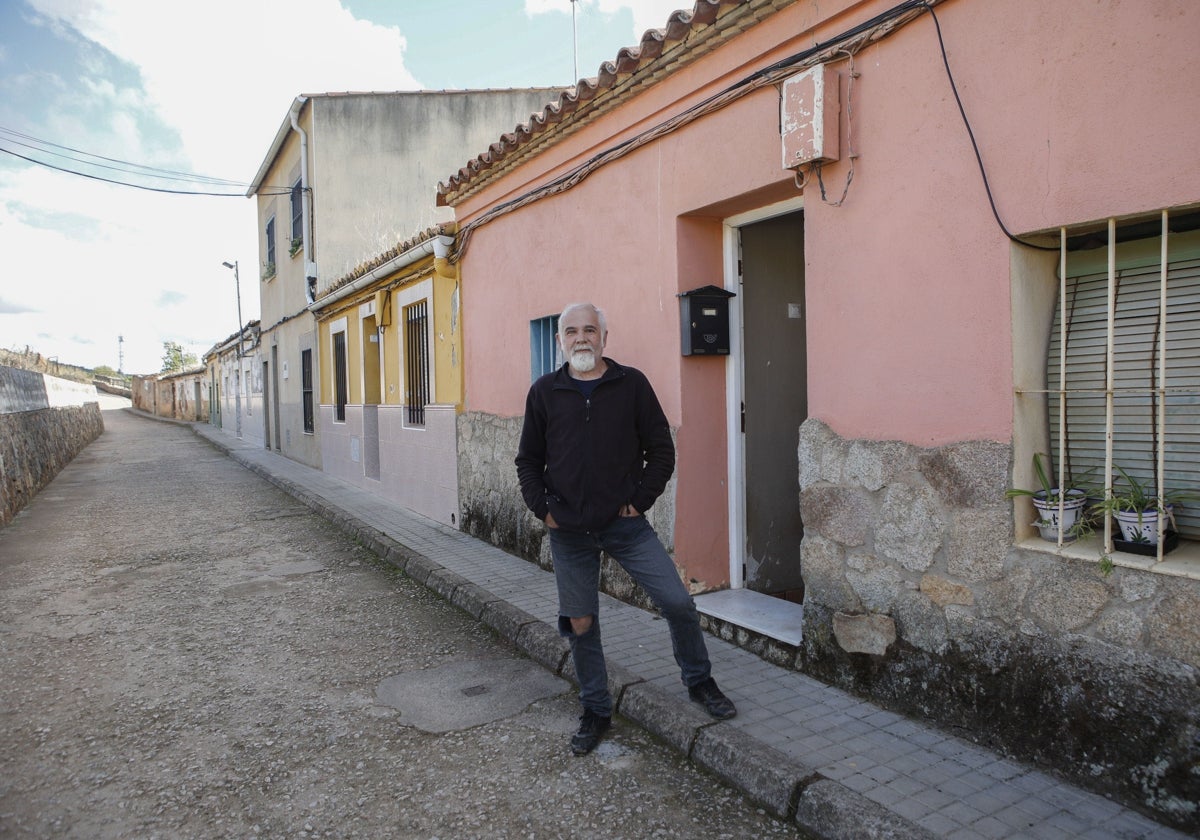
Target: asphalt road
185,651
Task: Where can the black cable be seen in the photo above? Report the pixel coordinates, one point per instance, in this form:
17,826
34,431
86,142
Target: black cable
970,133
272,191
124,165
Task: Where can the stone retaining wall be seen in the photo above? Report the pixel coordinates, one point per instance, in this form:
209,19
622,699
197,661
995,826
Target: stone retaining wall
35,445
492,508
916,596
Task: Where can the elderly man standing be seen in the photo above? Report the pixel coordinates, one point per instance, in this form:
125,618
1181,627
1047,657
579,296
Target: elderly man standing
595,453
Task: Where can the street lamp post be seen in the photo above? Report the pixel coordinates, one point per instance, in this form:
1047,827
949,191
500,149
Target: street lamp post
237,405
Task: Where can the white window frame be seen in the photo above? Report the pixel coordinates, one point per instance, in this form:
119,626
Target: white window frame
335,327
405,297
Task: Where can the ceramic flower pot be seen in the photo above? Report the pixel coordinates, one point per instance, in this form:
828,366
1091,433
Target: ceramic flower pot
1048,514
1139,526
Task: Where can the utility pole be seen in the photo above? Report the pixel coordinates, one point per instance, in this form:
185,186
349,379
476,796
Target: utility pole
238,380
575,49
121,354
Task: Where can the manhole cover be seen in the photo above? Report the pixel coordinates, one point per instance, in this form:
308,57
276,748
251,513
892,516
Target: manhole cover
466,694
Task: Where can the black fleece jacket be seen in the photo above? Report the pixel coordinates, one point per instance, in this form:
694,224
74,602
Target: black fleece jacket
583,458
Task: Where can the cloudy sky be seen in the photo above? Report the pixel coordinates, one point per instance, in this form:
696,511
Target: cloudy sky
186,97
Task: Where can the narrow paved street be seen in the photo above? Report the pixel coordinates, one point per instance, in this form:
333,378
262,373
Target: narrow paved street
185,651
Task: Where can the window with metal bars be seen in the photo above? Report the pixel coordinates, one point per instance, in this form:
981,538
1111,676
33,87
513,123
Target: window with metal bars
306,390
416,362
341,380
297,211
544,352
270,235
1123,368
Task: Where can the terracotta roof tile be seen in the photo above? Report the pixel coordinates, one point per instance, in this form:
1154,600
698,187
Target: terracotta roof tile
659,49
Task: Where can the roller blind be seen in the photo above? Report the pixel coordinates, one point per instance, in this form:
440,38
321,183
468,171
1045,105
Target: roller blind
1136,368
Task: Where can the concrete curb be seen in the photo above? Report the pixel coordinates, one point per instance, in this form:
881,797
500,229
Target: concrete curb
829,809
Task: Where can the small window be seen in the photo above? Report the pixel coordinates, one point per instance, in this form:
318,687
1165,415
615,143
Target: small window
297,211
340,377
544,353
306,389
416,362
269,268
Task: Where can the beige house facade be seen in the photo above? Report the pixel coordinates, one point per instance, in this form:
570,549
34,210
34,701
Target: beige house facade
347,177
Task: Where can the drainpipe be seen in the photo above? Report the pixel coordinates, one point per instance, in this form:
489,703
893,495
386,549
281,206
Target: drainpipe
441,255
310,267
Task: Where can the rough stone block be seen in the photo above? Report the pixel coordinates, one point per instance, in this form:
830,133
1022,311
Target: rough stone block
978,544
472,598
1065,600
876,464
911,526
823,567
444,582
828,809
419,568
671,718
766,775
841,514
543,644
876,584
505,619
969,475
944,592
872,634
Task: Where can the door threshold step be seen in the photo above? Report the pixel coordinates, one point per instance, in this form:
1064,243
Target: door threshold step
772,617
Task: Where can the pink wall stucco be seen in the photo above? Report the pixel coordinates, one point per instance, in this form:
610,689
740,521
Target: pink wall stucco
1081,110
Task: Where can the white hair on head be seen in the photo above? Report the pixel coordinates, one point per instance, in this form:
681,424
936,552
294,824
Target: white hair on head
571,307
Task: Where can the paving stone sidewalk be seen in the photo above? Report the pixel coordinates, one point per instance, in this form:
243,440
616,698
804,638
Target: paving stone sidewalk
840,767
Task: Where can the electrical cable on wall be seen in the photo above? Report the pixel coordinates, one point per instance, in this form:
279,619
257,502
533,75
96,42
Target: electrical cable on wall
850,40
849,139
974,145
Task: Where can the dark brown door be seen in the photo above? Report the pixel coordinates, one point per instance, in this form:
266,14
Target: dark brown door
775,396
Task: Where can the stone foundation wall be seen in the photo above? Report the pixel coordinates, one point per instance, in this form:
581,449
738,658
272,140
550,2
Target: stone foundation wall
492,508
917,597
36,445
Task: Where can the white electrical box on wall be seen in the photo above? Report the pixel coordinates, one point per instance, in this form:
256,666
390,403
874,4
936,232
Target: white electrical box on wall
809,107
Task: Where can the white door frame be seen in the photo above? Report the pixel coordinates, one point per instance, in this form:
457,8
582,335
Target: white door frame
735,381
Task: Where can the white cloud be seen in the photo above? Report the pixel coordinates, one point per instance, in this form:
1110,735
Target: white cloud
647,14
216,79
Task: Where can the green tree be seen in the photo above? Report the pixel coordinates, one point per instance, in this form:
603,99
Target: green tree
176,358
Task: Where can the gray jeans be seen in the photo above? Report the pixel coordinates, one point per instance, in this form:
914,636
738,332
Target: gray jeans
632,543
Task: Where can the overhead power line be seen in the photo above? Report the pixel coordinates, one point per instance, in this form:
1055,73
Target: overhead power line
89,160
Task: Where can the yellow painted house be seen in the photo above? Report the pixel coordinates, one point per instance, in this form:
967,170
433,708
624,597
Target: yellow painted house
390,342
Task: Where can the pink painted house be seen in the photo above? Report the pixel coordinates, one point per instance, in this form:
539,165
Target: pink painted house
913,318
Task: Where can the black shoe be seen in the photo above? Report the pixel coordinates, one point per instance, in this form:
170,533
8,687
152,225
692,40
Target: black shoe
710,697
591,729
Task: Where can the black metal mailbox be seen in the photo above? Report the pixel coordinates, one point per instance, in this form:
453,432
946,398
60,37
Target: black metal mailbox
704,321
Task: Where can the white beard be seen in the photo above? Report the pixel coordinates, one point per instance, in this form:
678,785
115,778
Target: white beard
583,361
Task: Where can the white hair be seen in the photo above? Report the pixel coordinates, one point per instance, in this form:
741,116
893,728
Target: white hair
599,314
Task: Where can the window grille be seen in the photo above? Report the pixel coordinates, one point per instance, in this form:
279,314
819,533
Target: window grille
270,233
544,353
340,377
1123,370
297,211
306,389
416,362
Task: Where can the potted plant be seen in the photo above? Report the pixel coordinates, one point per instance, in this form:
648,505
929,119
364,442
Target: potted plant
1050,503
1137,509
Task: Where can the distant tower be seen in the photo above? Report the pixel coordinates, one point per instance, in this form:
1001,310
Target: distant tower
120,354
